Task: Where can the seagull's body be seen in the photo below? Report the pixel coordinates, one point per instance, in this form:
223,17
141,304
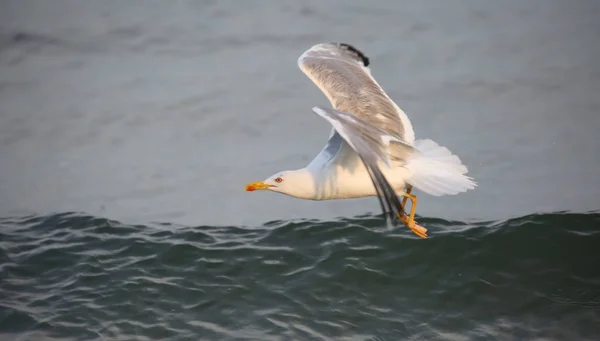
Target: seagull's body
337,172
371,150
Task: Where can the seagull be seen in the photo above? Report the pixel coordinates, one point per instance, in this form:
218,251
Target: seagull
371,150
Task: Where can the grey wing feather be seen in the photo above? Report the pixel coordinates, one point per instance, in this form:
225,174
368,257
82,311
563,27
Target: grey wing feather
339,70
328,152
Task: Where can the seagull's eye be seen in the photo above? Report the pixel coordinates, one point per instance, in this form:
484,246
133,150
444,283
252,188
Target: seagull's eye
278,180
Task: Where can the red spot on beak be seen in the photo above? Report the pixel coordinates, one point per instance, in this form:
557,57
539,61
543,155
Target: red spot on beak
257,186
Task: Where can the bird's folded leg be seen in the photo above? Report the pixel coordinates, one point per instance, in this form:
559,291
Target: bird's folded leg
408,190
409,221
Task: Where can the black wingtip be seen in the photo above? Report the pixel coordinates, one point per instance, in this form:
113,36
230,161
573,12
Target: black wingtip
356,52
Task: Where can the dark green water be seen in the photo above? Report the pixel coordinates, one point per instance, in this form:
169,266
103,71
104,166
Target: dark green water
76,277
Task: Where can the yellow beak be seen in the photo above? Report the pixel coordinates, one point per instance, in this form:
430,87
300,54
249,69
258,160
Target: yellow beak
257,186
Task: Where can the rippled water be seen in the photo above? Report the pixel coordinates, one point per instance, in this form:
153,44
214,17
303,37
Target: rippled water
72,276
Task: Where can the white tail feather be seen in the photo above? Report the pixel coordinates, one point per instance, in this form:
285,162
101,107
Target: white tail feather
436,171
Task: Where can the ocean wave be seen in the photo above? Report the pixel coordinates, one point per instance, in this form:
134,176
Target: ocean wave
71,275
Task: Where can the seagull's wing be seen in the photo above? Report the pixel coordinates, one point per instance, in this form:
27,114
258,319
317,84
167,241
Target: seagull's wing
371,145
364,116
334,143
341,72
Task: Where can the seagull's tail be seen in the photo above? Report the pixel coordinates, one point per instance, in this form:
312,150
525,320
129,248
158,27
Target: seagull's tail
436,171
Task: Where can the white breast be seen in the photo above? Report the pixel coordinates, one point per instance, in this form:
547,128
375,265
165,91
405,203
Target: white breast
345,176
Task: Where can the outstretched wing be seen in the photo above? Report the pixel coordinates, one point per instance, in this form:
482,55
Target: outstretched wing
341,72
372,146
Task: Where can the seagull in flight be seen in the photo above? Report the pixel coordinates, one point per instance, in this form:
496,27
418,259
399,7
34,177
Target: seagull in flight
371,149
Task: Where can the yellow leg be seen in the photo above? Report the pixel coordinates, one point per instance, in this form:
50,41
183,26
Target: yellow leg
408,190
410,220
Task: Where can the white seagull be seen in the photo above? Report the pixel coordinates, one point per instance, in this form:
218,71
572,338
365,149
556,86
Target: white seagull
371,150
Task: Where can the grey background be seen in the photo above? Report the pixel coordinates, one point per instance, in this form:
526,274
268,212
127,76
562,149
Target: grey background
163,111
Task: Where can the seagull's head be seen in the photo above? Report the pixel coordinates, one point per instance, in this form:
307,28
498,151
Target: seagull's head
296,183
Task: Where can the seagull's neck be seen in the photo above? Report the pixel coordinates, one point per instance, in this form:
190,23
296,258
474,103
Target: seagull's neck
300,183
315,183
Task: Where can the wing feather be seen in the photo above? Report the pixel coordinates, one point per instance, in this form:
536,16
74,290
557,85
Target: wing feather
341,72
